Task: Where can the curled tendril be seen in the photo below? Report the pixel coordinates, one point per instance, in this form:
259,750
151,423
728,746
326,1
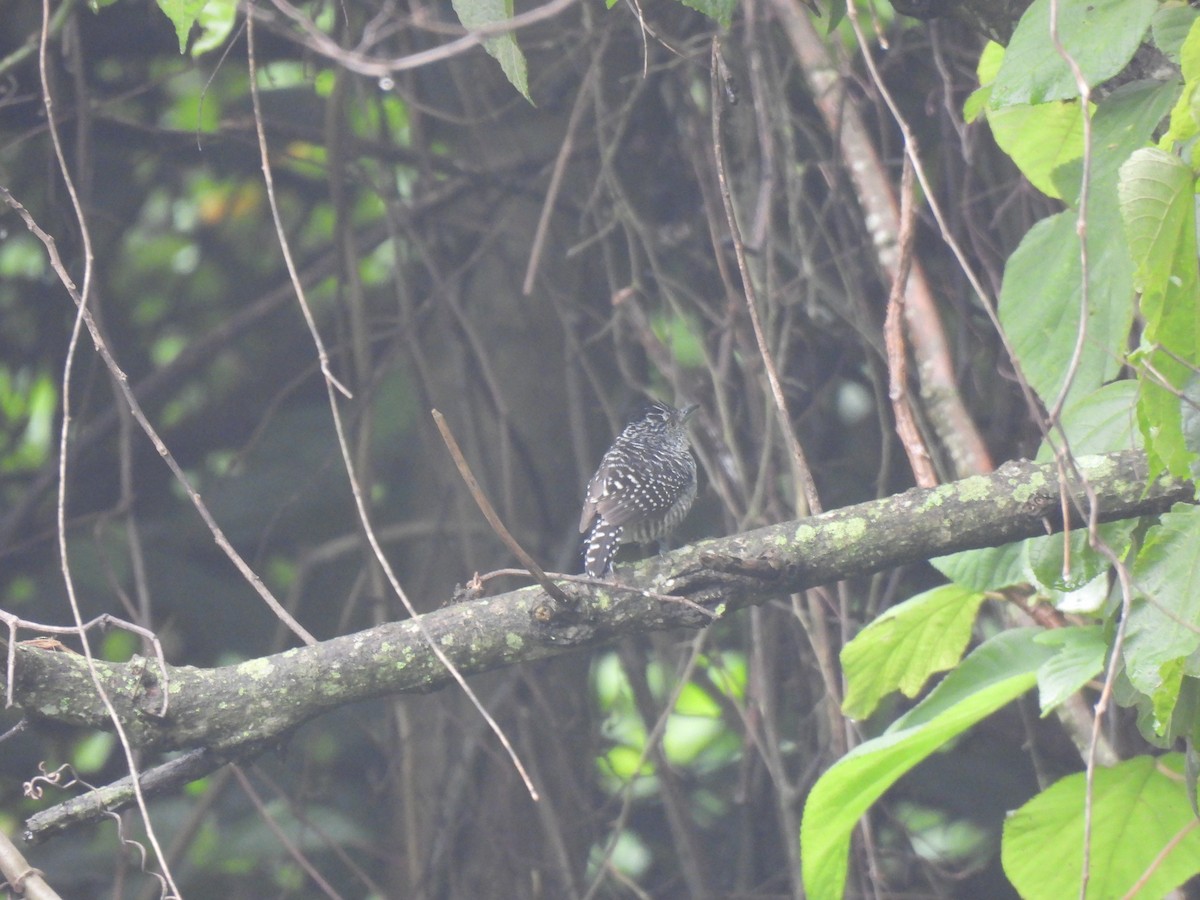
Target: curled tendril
35,787
64,778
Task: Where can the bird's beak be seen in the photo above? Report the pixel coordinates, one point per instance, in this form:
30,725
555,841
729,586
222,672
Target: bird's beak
687,411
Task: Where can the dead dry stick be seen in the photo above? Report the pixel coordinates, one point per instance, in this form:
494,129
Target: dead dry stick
21,877
897,354
489,513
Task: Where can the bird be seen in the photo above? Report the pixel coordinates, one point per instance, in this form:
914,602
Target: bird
643,488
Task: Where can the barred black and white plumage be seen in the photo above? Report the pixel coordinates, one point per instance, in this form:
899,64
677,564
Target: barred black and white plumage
644,487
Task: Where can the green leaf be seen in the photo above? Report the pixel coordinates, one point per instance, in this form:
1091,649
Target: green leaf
683,338
1104,421
1100,35
1049,562
986,569
1040,306
1040,138
502,47
1170,27
1189,422
995,674
1160,415
1125,121
906,644
1139,808
1080,658
216,21
1164,623
720,11
183,15
1185,116
1157,194
989,65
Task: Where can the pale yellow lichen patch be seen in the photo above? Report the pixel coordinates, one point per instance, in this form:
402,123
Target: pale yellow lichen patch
805,533
974,489
934,500
852,529
1023,492
1096,466
256,668
514,641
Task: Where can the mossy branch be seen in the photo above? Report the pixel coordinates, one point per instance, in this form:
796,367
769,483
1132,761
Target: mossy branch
235,710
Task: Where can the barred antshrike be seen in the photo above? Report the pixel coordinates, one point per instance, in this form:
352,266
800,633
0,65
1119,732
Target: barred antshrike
644,487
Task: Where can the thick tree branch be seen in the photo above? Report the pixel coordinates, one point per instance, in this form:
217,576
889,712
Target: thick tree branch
240,709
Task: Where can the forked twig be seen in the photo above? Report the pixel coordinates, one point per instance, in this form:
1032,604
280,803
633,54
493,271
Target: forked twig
101,621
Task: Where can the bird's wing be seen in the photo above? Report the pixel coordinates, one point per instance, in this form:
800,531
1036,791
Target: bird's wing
607,497
623,501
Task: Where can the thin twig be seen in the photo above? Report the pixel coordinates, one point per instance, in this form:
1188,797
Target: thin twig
83,315
1160,858
617,828
347,458
560,166
489,513
139,414
1055,412
288,844
801,473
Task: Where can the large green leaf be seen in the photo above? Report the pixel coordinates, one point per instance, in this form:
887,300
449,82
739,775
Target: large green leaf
1040,301
1157,192
1164,624
1105,421
906,644
1139,808
1100,35
1039,138
1040,297
996,673
986,569
1125,121
1158,205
